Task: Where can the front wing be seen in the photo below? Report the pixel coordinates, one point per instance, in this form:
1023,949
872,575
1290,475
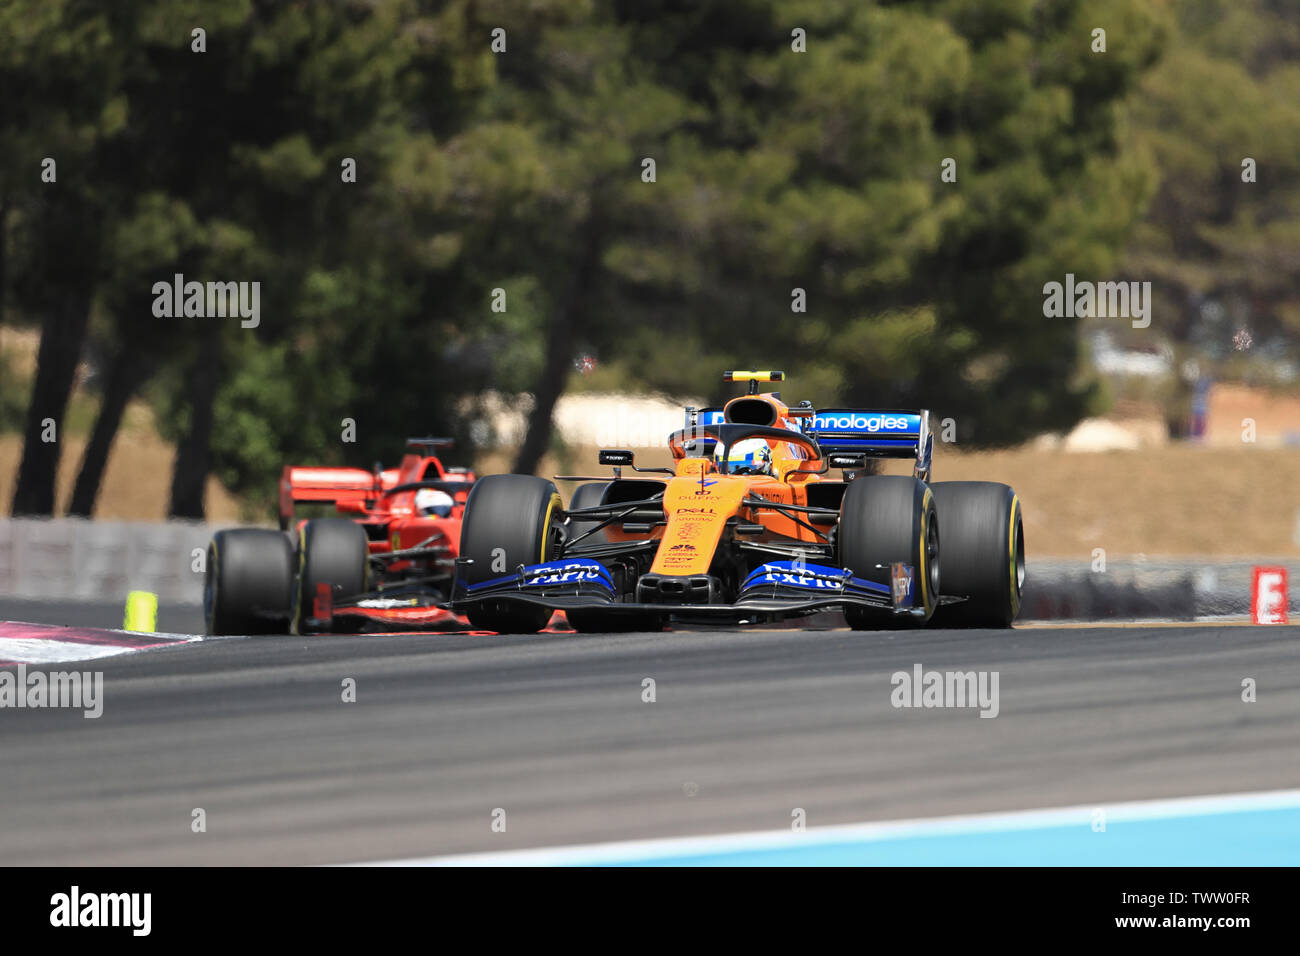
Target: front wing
775,590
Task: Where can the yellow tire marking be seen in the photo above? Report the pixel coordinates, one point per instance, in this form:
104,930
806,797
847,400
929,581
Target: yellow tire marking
1015,591
546,525
927,599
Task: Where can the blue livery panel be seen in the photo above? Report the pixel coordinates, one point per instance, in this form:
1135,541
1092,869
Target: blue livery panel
797,579
553,574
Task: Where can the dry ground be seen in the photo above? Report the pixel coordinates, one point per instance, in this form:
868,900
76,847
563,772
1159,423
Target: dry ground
1175,500
137,482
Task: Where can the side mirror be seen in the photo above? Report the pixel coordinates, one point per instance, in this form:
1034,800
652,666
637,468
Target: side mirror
616,457
350,506
849,462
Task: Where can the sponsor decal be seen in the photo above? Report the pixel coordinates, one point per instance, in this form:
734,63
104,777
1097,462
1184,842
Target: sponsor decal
690,527
865,422
564,572
900,579
681,555
814,577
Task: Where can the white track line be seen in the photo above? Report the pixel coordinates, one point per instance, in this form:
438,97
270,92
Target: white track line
646,850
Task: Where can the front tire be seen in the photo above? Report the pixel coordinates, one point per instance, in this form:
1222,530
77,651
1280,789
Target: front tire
983,553
883,519
249,579
333,552
509,520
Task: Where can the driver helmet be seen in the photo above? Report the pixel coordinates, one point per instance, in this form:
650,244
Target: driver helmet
431,501
752,456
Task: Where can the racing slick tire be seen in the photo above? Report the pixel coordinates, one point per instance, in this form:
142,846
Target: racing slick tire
249,579
887,518
509,520
331,551
983,553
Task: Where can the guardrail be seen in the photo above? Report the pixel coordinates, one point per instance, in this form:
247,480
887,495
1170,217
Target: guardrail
1175,588
79,560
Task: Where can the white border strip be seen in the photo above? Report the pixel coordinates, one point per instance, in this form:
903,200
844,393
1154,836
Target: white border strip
56,648
647,850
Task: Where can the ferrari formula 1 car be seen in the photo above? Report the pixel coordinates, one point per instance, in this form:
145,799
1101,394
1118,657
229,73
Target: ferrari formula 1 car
751,524
390,559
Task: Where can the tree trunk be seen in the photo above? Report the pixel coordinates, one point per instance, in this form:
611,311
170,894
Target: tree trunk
559,353
4,267
61,339
124,377
62,284
194,451
560,341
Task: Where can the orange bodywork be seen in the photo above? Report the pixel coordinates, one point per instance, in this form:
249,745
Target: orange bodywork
699,500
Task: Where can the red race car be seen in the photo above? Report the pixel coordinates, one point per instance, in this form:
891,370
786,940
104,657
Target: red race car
390,560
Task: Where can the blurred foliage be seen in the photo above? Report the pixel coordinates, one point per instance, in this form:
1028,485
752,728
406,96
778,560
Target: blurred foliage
1223,252
522,171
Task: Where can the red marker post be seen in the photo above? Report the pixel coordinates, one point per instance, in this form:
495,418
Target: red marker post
1268,596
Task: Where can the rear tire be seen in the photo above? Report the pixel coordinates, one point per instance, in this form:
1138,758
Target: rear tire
883,519
509,520
249,579
983,553
334,552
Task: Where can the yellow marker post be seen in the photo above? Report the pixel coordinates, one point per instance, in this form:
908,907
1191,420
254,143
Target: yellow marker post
141,611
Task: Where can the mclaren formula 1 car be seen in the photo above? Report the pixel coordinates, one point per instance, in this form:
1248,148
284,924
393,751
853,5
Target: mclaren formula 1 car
388,555
769,511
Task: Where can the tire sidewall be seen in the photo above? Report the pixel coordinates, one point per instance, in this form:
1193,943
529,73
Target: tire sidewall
901,533
984,534
509,521
248,582
333,551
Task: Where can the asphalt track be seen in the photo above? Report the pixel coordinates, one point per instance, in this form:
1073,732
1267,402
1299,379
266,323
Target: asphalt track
552,729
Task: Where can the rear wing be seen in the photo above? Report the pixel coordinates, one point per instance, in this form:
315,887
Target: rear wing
327,486
875,433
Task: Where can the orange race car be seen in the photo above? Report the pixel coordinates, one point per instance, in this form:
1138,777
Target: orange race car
388,560
751,524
